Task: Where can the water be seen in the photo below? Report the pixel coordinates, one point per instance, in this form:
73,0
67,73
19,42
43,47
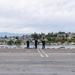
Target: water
39,46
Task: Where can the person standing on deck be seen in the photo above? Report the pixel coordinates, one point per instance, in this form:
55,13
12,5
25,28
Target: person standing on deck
43,43
36,42
28,43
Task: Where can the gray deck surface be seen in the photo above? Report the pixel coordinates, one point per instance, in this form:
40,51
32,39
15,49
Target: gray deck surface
37,61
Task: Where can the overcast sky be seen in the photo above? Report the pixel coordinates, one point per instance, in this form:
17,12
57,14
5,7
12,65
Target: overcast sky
29,16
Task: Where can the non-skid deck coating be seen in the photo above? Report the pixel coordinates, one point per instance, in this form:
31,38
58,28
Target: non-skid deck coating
37,61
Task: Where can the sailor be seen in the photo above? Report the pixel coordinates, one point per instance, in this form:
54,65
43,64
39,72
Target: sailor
36,42
43,43
28,43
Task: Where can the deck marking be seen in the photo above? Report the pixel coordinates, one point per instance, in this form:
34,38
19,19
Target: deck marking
44,53
40,53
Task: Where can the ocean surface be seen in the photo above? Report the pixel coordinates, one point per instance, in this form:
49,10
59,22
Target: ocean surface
39,46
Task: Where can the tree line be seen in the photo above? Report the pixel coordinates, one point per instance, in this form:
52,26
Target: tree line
49,38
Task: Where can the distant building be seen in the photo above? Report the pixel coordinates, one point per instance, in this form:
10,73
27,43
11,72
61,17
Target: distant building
61,36
70,35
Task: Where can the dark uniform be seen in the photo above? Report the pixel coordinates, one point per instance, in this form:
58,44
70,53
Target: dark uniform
36,42
43,44
28,43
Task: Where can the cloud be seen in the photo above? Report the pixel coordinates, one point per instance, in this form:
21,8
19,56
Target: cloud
28,16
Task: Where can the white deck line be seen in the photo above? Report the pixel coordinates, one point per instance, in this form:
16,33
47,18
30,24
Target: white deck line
44,53
40,53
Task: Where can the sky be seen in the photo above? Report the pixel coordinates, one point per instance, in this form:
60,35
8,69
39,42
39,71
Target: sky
29,16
